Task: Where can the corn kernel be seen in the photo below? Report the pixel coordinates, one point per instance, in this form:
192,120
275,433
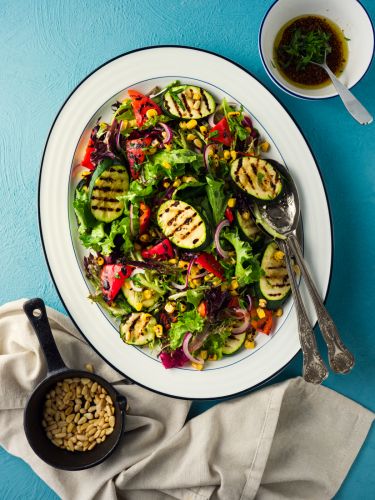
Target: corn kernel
158,329
138,306
191,124
183,264
172,261
216,282
197,366
234,113
198,143
85,173
234,284
233,154
232,202
169,307
124,124
132,123
245,215
226,154
212,357
234,293
196,96
248,129
177,183
249,344
188,178
151,151
224,287
182,307
203,129
166,164
262,303
147,294
191,137
203,355
279,312
182,124
166,184
265,146
168,147
127,284
197,282
145,238
279,255
151,112
100,261
260,312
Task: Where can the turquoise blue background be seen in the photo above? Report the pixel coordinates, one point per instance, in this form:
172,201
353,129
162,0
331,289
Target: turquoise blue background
48,47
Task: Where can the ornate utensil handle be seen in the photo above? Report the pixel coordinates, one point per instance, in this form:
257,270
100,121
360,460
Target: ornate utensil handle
314,369
341,359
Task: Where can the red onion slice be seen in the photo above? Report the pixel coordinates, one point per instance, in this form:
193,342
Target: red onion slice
178,285
183,287
242,327
220,226
250,300
185,348
211,120
208,150
131,216
169,133
137,270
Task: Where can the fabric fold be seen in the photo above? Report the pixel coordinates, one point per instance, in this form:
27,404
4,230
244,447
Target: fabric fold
289,440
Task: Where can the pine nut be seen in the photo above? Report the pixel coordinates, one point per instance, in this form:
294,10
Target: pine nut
112,421
92,445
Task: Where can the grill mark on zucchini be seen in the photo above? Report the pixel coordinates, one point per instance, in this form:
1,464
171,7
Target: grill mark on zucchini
184,236
106,189
186,104
257,177
204,99
171,221
113,200
182,224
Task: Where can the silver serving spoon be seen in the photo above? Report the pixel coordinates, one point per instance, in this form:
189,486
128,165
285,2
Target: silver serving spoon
355,108
281,220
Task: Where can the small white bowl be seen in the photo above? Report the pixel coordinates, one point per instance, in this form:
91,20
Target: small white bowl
349,15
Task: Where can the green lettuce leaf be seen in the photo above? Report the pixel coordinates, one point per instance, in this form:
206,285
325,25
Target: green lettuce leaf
216,197
190,321
81,205
247,268
178,159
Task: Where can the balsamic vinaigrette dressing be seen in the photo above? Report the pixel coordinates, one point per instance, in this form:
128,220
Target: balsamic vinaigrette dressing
311,76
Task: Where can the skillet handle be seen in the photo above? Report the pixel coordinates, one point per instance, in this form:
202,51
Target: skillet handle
36,312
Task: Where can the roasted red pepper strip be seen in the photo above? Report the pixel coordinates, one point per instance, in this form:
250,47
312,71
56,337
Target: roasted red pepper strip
144,217
136,154
161,251
141,104
86,162
208,262
263,325
221,133
112,278
229,215
202,309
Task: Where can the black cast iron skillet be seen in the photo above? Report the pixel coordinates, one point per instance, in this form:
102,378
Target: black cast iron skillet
57,371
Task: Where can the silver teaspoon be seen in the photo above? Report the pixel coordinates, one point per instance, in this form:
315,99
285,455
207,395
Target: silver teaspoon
355,108
281,220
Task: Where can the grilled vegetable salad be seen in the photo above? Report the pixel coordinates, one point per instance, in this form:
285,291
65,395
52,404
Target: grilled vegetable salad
164,207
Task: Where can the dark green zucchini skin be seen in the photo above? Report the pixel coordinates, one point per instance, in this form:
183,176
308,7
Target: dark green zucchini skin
257,178
274,286
233,343
178,102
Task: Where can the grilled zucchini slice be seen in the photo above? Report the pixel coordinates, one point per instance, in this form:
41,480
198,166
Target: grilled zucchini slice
247,225
256,177
182,224
179,102
233,343
136,299
274,285
138,329
113,182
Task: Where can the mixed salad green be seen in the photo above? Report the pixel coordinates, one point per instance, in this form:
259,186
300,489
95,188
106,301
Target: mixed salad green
164,205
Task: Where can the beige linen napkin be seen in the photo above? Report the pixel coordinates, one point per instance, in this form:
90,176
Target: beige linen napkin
288,441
